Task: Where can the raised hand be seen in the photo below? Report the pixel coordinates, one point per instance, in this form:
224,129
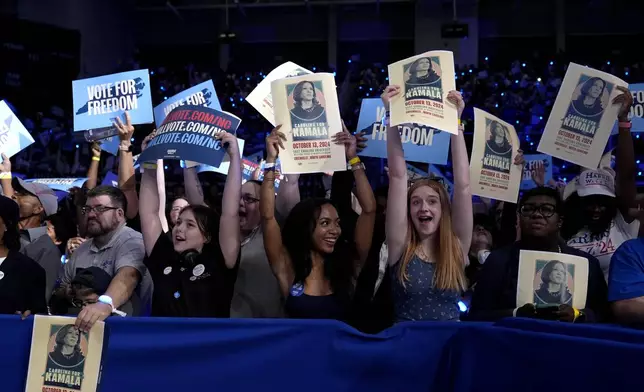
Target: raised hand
625,100
361,141
274,141
229,142
456,98
389,93
96,149
125,130
5,166
348,140
539,174
147,139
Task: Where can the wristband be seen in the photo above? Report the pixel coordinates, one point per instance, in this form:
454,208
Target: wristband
460,122
5,176
357,166
269,165
151,166
96,159
354,160
269,169
577,313
625,124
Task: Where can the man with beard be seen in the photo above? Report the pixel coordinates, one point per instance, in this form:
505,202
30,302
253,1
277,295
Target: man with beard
115,248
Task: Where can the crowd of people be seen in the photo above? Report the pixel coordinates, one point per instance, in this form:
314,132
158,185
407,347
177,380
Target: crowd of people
206,246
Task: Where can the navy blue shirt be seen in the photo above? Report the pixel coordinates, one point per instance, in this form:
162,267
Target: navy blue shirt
626,273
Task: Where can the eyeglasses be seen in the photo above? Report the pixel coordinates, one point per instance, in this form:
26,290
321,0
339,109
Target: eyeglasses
77,303
98,209
546,210
248,199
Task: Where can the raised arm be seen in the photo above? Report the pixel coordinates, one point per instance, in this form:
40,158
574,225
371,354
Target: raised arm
396,223
92,172
194,192
162,196
462,214
625,157
229,236
5,176
288,194
277,255
149,203
363,233
127,179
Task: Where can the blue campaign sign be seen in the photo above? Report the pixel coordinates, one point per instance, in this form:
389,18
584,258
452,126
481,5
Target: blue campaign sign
110,145
188,133
111,179
14,137
98,101
420,143
203,94
60,184
637,110
530,163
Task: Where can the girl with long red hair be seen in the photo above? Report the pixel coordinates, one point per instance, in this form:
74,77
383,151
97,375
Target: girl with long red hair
427,236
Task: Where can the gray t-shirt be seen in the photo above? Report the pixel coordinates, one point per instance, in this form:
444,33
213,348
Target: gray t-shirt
125,249
257,291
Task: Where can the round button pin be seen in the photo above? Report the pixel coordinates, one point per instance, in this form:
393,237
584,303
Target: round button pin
167,270
198,270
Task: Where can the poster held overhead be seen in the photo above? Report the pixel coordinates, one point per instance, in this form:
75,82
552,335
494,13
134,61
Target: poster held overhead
14,137
582,117
493,173
307,108
425,80
98,101
203,94
261,98
188,133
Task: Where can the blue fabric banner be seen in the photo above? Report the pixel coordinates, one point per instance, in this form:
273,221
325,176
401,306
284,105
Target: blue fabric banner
203,94
162,354
420,143
531,161
98,101
188,133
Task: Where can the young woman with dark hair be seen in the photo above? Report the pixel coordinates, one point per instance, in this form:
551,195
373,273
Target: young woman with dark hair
315,264
194,270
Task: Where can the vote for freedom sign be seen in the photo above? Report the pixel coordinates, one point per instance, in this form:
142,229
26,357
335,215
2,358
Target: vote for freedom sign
99,101
188,133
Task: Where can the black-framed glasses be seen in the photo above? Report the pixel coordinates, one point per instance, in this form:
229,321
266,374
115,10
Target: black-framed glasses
248,199
77,303
546,210
98,209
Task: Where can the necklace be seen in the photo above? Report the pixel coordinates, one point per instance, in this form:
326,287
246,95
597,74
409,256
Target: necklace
249,236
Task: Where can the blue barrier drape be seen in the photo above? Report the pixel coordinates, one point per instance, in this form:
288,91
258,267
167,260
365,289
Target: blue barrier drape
155,354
